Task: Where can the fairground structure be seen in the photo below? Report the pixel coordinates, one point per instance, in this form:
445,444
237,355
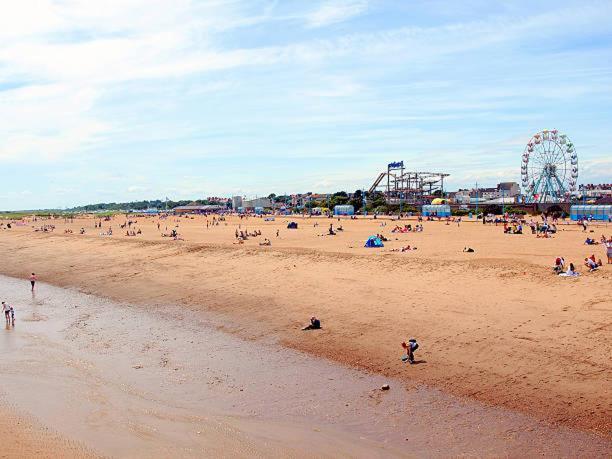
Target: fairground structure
401,186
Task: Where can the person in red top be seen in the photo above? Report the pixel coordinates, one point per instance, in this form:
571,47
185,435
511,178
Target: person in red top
33,280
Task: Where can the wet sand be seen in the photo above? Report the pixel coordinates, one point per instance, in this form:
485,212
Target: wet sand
130,381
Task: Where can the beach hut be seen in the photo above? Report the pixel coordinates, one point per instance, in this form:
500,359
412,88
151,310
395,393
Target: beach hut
436,210
594,212
374,241
344,210
259,210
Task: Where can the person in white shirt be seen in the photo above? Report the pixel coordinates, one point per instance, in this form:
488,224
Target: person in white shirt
7,312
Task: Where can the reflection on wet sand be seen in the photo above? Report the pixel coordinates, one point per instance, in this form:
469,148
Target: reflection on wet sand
167,383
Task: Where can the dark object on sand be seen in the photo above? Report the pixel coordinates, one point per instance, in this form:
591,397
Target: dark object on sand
315,324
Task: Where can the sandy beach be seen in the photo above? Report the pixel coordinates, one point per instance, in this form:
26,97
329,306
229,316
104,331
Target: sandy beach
496,327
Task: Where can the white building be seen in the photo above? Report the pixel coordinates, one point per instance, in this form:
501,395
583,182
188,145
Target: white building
257,202
236,202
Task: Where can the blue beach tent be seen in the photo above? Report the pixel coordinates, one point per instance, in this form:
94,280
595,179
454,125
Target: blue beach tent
374,241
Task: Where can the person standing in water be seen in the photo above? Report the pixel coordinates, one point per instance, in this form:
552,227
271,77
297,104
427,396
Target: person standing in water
33,280
7,312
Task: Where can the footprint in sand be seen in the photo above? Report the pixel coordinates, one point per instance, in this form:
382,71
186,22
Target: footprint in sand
35,317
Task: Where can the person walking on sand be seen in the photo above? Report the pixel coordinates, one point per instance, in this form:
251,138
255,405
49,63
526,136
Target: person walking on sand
33,280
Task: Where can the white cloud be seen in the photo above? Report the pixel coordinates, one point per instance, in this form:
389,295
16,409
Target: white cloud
137,189
129,81
46,122
334,11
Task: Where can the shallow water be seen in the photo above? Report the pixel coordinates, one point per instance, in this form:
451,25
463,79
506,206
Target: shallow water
166,382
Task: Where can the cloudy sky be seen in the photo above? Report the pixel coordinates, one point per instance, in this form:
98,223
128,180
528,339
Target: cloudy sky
129,99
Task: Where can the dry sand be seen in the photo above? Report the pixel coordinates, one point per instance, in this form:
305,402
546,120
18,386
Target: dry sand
27,438
495,325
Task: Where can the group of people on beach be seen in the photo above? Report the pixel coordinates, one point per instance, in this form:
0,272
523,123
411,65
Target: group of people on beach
418,228
9,310
591,262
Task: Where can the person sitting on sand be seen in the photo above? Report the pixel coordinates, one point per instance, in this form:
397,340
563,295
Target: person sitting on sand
591,264
315,324
410,347
266,242
559,265
571,272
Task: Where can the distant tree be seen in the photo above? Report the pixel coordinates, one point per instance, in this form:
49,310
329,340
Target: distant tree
357,200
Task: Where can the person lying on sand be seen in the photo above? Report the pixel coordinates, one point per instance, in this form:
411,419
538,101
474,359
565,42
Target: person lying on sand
403,249
266,242
315,324
410,347
468,249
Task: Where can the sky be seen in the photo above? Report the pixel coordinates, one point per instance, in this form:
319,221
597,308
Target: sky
124,100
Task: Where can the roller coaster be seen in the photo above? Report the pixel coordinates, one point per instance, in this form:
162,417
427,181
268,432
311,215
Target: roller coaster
399,185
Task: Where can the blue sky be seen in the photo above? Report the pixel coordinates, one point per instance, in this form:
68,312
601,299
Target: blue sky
131,99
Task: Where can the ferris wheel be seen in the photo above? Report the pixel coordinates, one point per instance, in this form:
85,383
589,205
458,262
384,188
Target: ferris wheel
549,169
